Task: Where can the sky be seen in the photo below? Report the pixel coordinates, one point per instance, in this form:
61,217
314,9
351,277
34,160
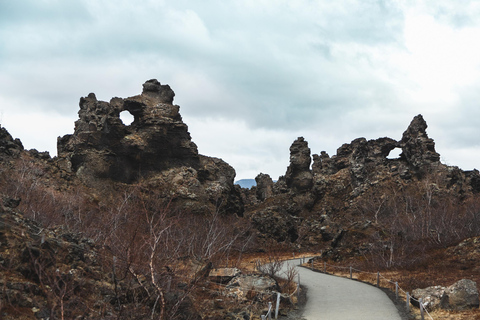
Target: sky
250,76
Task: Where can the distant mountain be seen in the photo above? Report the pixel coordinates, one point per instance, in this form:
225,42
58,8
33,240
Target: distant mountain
246,183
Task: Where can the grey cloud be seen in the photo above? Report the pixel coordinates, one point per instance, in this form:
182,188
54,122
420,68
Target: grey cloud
304,65
40,11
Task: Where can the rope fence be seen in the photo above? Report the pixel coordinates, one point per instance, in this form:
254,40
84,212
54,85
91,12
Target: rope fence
377,277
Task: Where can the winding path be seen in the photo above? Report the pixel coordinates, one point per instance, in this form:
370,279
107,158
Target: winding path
336,298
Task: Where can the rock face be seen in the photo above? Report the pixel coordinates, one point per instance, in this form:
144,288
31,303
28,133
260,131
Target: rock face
354,187
462,295
8,145
264,186
299,176
103,147
156,147
275,223
418,149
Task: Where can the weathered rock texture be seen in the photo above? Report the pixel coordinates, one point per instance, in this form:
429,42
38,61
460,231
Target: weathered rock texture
462,295
264,188
357,185
418,149
299,176
156,147
52,273
8,145
103,147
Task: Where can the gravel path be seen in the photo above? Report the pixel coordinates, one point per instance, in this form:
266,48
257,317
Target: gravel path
336,298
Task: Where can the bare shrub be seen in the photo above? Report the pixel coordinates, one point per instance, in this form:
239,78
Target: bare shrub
269,267
289,285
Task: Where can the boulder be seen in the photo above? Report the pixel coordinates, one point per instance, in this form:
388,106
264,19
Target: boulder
223,275
462,295
251,287
432,297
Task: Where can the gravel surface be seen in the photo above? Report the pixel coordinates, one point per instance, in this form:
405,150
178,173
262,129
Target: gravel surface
335,298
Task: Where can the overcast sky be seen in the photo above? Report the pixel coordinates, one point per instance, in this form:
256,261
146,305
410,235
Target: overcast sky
251,76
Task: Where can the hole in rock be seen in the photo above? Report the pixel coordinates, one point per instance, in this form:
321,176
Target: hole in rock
395,153
126,117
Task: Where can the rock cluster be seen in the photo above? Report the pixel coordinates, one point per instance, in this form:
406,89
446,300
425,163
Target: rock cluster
156,148
103,147
462,295
339,186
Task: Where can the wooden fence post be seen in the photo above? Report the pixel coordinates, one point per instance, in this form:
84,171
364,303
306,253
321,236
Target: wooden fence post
350,273
378,279
422,315
324,267
408,302
312,264
278,305
269,311
396,290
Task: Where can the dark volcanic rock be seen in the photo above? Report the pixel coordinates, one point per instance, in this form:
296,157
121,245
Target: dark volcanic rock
264,186
103,147
275,223
357,184
156,148
299,177
8,145
462,295
418,149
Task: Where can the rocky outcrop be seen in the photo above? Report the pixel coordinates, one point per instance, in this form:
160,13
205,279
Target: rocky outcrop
9,146
462,295
418,149
156,148
264,186
354,187
103,147
299,177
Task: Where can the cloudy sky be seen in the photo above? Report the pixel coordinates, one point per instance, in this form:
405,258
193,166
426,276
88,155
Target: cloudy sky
251,76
